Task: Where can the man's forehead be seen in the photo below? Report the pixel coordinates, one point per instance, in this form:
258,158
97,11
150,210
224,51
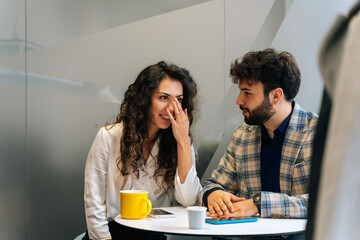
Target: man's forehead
249,83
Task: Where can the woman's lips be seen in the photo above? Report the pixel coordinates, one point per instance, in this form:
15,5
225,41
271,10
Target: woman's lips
164,117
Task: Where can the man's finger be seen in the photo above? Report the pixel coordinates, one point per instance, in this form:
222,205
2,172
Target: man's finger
234,198
229,205
224,208
213,215
211,209
218,209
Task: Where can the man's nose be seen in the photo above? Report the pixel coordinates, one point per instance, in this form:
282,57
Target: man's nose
239,100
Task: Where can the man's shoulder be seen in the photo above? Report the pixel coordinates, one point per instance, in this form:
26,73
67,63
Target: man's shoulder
302,118
245,129
299,110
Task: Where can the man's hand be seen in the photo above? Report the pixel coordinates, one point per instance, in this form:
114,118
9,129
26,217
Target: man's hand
220,203
244,208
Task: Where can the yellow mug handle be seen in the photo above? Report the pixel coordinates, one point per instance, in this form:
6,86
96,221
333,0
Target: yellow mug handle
149,206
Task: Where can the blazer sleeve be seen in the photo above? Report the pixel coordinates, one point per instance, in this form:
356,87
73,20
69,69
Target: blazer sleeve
224,176
187,193
283,205
95,187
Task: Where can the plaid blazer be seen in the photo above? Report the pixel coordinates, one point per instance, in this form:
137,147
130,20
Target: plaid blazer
239,169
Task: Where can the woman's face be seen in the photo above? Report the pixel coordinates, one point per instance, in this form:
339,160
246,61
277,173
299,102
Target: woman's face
162,99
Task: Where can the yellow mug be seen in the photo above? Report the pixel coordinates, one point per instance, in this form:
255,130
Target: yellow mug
134,204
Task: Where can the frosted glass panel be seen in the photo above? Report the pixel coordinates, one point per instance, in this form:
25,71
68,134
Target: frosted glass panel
12,123
12,161
243,28
296,26
61,129
301,33
75,86
82,55
54,21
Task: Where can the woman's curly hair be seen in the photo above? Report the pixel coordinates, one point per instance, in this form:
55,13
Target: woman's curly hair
134,114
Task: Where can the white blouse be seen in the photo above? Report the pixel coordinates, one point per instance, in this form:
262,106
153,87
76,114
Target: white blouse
103,182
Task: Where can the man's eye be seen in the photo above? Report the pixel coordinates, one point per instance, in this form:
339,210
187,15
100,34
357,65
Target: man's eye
247,93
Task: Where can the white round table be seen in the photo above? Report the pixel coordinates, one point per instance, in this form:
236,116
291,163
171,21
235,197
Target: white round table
180,226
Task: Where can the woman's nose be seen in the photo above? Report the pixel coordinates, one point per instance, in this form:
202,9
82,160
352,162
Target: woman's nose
171,106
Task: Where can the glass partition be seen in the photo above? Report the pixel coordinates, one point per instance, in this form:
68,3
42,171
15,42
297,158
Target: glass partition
12,121
65,65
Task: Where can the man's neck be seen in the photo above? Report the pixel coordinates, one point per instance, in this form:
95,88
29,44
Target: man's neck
282,112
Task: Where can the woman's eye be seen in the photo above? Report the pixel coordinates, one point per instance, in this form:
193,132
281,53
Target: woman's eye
163,97
180,100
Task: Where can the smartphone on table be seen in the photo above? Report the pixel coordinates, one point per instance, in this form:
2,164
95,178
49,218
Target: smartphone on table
230,220
160,213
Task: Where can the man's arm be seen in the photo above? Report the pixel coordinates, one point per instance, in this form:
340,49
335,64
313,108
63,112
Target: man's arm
223,179
280,204
273,205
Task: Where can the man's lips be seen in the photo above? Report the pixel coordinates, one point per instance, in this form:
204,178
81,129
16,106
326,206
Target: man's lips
244,110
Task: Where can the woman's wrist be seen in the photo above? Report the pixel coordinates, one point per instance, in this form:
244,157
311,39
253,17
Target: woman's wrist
184,143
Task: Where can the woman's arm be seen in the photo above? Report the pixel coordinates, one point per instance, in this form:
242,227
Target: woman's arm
187,193
187,183
180,128
184,159
95,186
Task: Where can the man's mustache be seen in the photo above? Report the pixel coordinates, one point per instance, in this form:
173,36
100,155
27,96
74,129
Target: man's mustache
242,108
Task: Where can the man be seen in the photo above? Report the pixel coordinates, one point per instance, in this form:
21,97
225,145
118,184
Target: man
268,160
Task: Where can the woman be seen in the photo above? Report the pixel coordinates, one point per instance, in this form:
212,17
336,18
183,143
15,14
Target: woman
149,147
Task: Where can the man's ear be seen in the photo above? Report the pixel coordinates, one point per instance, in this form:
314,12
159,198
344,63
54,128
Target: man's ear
276,95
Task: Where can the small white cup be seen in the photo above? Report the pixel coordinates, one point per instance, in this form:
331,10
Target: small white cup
196,215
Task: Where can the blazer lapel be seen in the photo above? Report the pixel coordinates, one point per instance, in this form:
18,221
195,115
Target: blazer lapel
252,161
295,137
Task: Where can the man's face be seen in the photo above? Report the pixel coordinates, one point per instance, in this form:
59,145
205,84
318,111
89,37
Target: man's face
255,107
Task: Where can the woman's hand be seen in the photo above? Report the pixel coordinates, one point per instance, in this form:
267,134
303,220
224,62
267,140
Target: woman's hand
180,127
179,123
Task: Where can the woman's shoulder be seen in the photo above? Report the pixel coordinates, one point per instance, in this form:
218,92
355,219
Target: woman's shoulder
112,130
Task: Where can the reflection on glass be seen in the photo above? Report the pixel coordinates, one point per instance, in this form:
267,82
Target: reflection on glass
12,125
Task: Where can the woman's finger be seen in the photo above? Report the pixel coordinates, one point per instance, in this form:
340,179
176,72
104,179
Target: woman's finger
180,106
172,120
176,109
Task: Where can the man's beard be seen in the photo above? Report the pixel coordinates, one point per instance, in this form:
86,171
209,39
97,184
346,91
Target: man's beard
260,114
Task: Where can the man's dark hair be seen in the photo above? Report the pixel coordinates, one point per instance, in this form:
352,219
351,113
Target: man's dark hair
271,68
